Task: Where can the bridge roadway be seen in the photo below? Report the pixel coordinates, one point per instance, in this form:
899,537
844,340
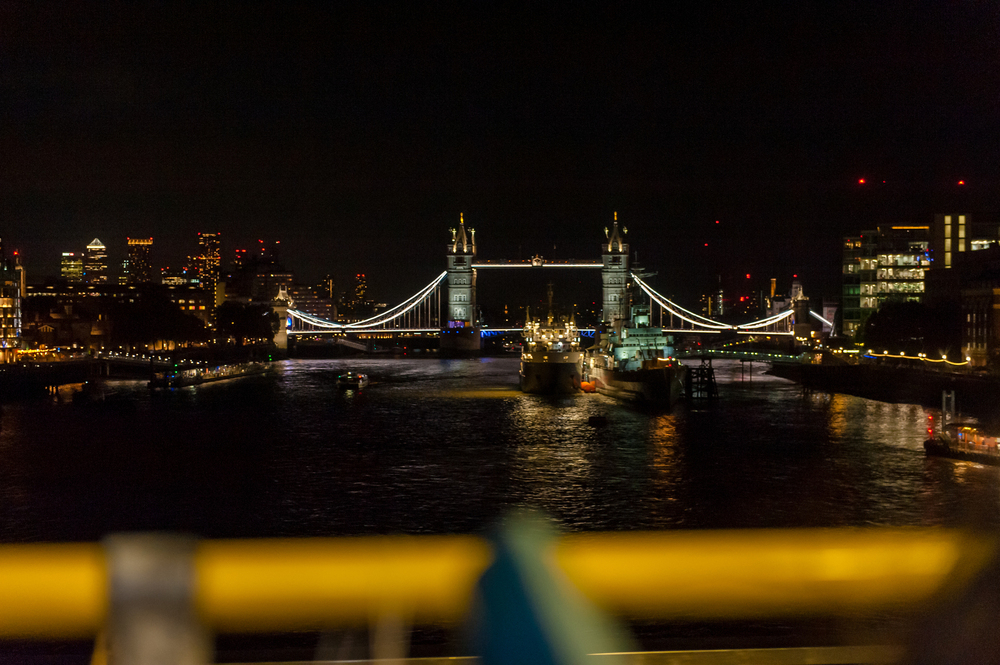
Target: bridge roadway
752,356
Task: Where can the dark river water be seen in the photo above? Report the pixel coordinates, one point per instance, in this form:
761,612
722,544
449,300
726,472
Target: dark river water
446,446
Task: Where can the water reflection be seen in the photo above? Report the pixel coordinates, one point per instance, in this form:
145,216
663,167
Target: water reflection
665,504
446,446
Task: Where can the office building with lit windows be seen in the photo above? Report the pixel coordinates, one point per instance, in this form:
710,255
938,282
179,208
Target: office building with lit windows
956,243
887,263
71,267
208,263
11,293
95,263
137,267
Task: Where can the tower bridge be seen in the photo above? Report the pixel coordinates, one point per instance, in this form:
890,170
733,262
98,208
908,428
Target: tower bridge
446,307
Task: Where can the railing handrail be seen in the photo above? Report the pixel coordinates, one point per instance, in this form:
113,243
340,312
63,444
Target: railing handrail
61,590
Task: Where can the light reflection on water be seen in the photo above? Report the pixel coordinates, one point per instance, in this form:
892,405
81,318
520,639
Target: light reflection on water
447,446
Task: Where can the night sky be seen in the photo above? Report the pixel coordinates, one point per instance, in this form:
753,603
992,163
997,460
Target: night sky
355,133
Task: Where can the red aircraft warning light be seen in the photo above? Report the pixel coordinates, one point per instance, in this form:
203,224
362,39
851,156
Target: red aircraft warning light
861,181
961,182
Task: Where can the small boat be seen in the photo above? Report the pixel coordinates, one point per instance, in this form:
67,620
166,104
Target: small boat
964,442
352,381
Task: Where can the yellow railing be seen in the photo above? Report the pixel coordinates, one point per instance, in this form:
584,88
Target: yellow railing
49,590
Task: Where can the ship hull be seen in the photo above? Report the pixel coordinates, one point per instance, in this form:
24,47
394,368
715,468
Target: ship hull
541,377
661,386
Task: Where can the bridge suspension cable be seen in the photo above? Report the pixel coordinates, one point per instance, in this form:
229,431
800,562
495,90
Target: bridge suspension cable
676,309
705,324
421,311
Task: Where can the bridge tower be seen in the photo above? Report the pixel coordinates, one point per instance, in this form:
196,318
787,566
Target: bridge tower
802,328
614,276
460,334
280,306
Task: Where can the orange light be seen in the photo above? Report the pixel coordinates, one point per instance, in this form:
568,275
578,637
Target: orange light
861,181
961,182
748,275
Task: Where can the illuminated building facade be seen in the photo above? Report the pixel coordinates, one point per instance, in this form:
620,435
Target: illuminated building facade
11,292
183,276
193,300
71,267
208,263
137,267
888,263
266,284
713,304
614,276
956,244
903,257
953,235
95,263
316,302
326,288
360,289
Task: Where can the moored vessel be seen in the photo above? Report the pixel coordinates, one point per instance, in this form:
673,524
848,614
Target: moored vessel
963,442
634,362
193,376
551,359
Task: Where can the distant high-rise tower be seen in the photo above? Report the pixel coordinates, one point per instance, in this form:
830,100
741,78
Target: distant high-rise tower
360,288
327,288
138,269
11,293
71,267
614,276
269,255
95,263
240,259
208,263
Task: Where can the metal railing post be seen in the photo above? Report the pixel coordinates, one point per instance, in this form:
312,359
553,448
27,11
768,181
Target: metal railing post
152,618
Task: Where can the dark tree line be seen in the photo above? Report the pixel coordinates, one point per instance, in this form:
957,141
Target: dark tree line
914,328
152,319
245,322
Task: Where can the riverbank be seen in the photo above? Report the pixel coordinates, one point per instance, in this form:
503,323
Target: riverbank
976,394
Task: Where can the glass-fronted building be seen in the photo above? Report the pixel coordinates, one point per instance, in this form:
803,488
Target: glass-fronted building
887,263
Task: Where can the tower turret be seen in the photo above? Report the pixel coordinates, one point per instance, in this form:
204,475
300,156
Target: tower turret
460,335
614,275
461,277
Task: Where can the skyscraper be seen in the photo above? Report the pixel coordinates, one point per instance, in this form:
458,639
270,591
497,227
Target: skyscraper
95,263
138,270
11,292
71,267
208,263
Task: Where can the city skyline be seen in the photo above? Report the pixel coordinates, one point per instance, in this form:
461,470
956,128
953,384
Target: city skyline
358,134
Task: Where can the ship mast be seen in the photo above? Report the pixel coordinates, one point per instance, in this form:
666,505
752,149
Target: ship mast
550,305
